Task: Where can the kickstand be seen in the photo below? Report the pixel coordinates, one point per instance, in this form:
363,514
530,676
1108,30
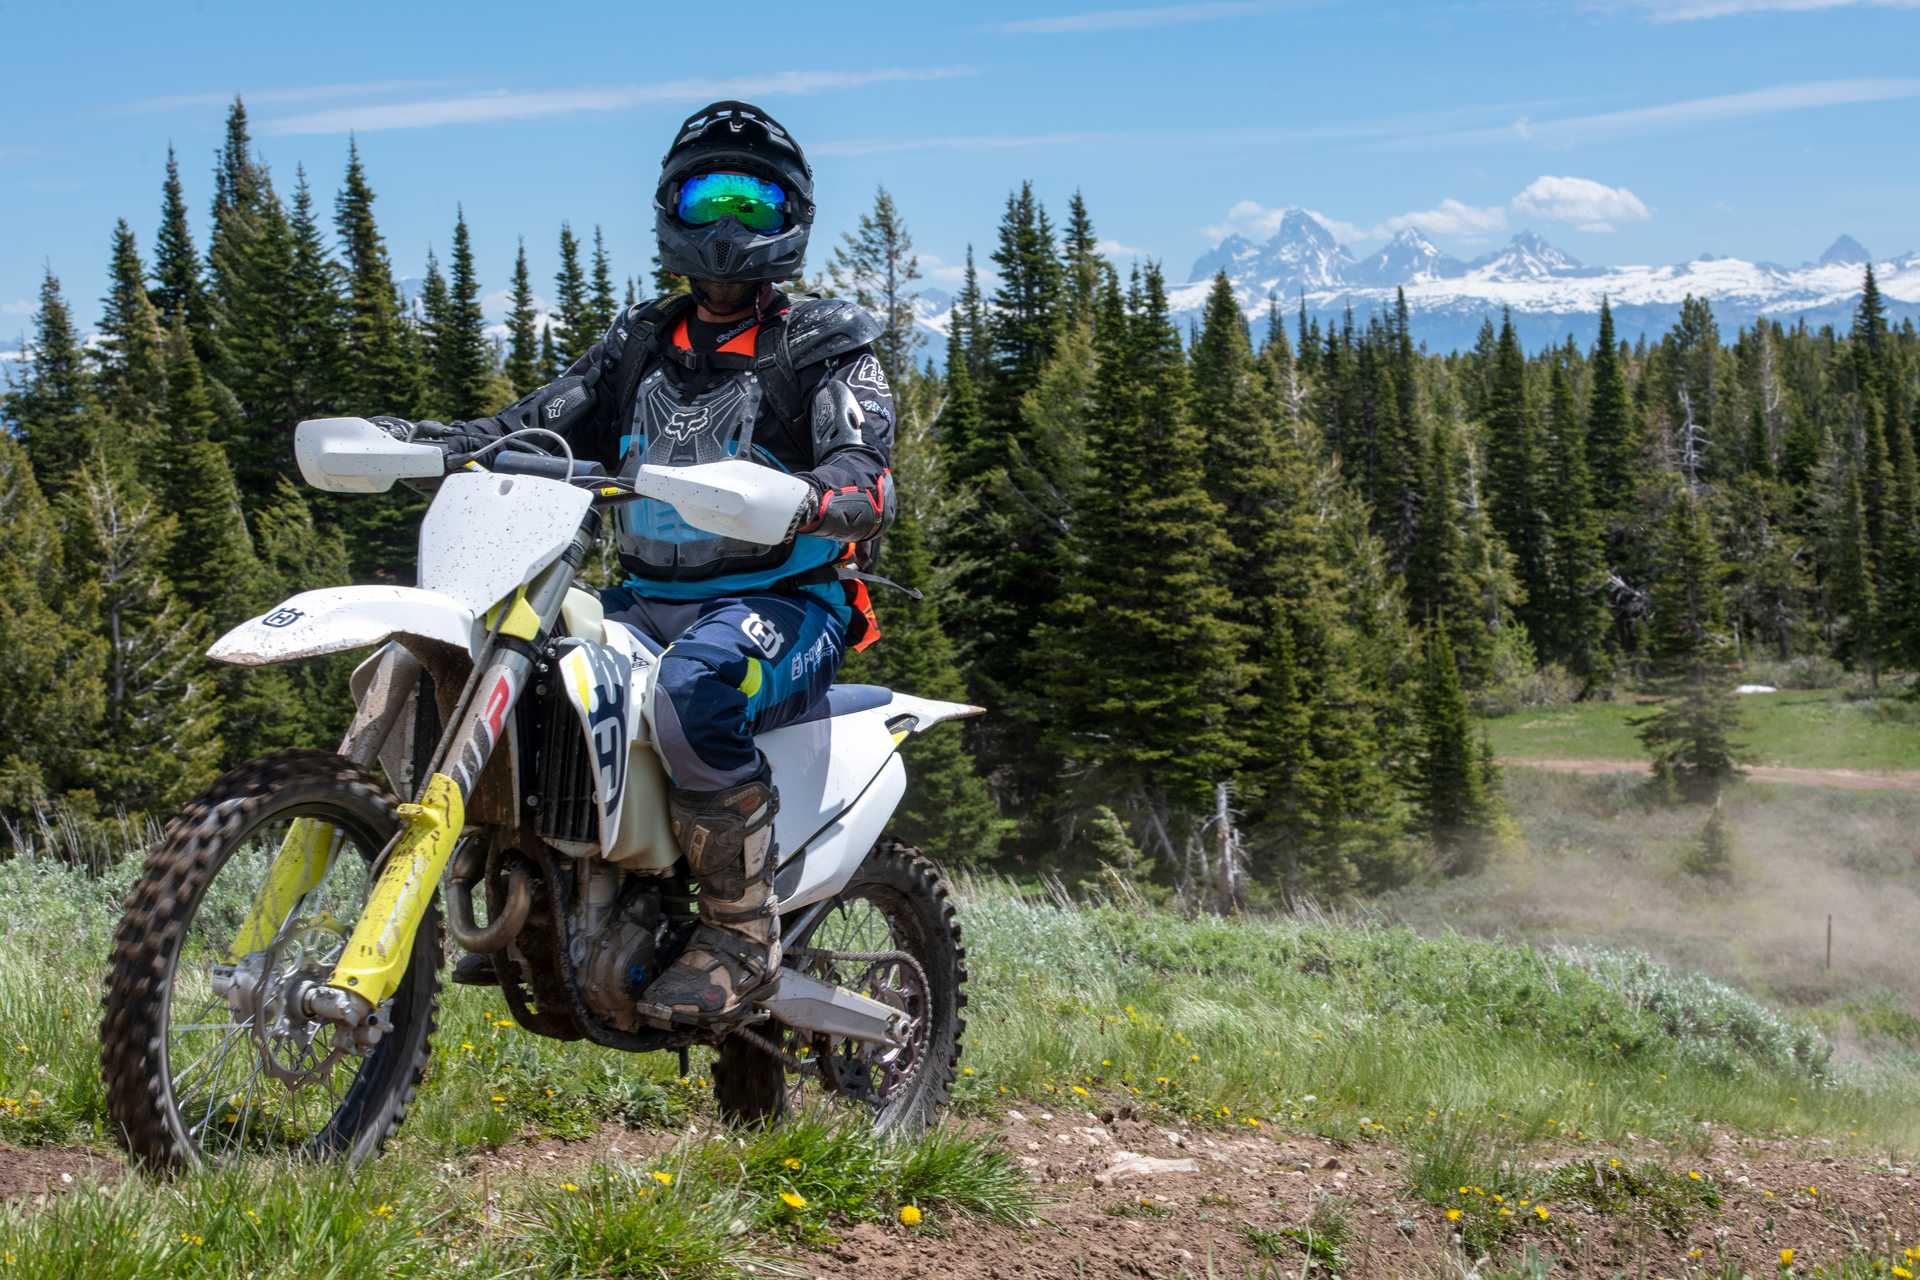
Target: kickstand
683,1061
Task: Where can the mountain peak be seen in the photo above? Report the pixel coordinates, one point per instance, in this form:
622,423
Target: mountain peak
1528,256
1845,252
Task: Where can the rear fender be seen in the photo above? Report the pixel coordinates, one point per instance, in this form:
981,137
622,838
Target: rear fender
337,619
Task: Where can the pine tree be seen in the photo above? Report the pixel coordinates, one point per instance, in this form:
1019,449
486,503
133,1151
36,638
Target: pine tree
210,562
380,377
317,334
1452,583
948,812
549,355
178,287
1150,716
1514,471
1692,656
968,320
50,668
132,384
1852,585
382,373
1084,267
159,730
602,306
524,371
1578,625
874,266
462,360
1610,445
575,331
50,403
1025,306
1455,810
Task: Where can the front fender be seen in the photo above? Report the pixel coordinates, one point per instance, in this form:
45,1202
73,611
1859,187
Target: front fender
336,619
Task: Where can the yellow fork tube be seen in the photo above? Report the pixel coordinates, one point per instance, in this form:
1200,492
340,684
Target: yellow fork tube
295,872
375,959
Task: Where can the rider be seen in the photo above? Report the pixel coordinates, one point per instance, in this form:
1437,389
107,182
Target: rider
752,635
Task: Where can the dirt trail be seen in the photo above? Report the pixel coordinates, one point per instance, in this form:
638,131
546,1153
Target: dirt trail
1226,1200
1844,779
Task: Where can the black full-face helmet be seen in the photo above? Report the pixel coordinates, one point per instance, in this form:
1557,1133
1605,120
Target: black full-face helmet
735,200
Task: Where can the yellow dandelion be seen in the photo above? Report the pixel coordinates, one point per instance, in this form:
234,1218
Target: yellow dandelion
1786,1257
1505,1212
966,1071
1694,1174
1813,1191
1453,1215
1106,1062
1696,1254
503,1023
1193,1057
1540,1212
909,1215
383,1210
499,1097
791,1162
793,1200
1613,1163
1082,1092
1902,1273
466,1046
568,1186
662,1177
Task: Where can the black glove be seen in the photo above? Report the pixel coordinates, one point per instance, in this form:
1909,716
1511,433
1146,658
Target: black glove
452,439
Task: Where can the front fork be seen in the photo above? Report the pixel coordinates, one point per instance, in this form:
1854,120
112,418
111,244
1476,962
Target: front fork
374,961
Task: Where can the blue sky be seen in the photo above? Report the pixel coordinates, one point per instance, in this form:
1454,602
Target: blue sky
1624,130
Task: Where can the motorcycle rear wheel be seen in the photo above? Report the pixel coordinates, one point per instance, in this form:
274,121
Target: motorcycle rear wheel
184,1066
897,901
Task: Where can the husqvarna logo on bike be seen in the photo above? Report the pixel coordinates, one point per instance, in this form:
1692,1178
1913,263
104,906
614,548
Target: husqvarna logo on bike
282,618
685,423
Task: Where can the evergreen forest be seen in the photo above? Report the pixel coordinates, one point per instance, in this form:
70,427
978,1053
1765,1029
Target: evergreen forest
1233,596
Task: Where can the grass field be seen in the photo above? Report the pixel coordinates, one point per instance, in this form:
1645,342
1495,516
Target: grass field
1820,729
1355,1032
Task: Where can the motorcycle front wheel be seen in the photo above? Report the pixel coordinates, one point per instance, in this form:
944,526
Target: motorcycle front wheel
206,1052
898,903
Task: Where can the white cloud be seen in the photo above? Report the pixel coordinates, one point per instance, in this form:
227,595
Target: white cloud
24,307
492,107
1130,19
1115,249
284,96
1694,10
1691,112
1450,219
1588,205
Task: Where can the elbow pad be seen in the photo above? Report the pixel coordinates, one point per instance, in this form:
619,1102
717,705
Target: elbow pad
852,513
558,406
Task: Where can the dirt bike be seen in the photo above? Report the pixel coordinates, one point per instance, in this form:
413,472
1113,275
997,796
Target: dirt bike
275,979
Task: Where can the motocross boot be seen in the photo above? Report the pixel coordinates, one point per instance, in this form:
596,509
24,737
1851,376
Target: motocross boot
727,836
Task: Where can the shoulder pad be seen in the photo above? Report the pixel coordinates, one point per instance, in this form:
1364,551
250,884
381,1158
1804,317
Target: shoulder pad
821,329
653,309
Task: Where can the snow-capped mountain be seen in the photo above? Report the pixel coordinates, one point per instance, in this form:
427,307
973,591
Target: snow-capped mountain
1526,257
1409,256
1549,293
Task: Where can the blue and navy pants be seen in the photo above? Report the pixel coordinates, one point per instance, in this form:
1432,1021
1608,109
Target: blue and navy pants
731,668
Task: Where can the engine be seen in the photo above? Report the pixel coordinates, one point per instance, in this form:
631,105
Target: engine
625,929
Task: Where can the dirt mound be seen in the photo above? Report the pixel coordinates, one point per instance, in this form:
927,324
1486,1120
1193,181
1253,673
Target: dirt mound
27,1172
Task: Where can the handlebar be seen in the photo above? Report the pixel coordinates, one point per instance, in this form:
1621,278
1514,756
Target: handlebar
522,463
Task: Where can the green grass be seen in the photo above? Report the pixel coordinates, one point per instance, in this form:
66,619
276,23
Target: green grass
1814,729
1459,1050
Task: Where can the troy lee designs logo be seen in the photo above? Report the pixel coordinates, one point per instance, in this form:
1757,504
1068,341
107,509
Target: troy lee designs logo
685,423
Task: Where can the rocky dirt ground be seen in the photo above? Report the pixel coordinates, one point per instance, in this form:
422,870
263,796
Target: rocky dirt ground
1132,1195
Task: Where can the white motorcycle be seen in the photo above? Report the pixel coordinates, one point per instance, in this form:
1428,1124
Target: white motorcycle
275,979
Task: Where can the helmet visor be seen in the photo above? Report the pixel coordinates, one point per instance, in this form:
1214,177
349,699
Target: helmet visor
755,203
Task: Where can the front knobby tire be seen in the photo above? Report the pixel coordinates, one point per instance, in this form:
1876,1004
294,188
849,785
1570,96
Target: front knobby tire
897,901
173,931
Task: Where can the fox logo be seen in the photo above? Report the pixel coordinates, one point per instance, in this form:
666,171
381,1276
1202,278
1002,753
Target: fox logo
685,423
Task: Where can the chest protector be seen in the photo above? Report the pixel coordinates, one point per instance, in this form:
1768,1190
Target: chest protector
674,427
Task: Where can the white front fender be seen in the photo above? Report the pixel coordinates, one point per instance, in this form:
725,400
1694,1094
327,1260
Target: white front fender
336,619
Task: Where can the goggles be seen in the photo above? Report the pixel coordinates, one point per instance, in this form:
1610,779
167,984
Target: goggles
755,203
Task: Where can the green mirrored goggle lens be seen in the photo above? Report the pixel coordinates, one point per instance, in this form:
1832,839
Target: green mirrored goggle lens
755,203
